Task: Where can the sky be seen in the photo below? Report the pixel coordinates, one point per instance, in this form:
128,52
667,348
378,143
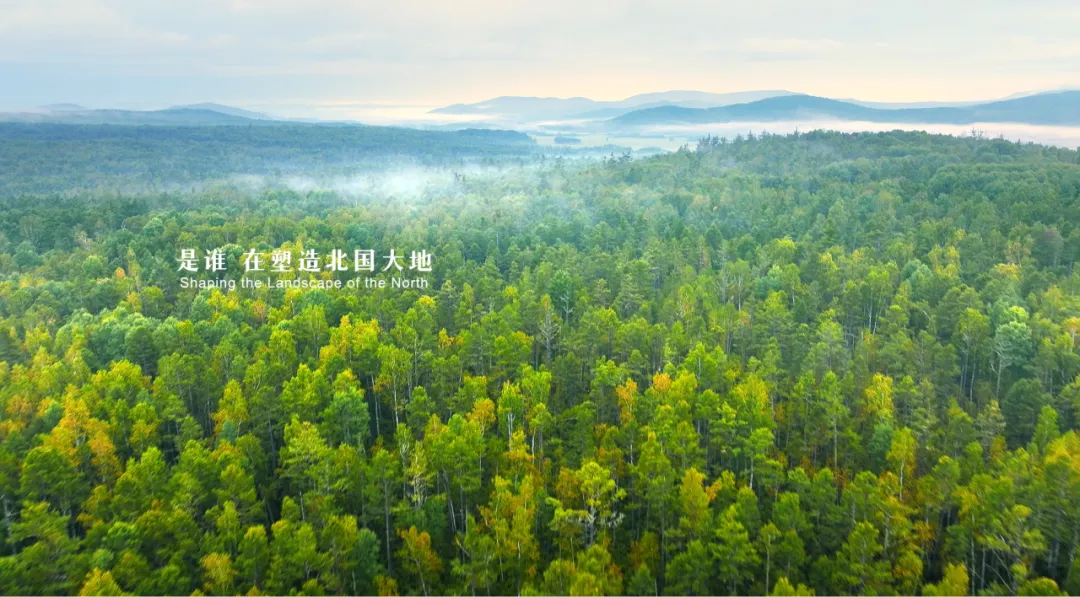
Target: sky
287,56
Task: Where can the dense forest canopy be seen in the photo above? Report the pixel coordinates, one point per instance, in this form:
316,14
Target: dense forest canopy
41,159
842,364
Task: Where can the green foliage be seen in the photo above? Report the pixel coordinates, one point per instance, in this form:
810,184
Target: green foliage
814,364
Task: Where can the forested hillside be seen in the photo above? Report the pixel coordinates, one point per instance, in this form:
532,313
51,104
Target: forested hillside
842,364
55,159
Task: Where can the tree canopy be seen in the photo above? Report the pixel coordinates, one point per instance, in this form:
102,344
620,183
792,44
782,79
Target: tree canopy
820,363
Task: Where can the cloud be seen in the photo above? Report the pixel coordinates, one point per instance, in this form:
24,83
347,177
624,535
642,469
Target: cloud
1056,49
789,45
106,51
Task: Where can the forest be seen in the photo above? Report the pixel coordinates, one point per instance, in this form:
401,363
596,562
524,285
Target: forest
817,363
42,159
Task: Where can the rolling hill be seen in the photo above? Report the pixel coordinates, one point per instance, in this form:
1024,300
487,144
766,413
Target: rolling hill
1058,108
228,110
541,108
178,116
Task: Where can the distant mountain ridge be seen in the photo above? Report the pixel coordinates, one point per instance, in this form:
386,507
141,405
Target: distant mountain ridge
169,116
188,115
539,108
580,115
63,108
1056,108
223,109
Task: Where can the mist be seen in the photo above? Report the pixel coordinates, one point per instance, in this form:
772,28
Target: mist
1060,136
401,182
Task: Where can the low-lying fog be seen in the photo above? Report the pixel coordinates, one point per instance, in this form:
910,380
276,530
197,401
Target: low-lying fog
668,137
398,181
672,136
406,180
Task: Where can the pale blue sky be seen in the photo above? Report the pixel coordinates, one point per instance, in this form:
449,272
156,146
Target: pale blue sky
151,53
